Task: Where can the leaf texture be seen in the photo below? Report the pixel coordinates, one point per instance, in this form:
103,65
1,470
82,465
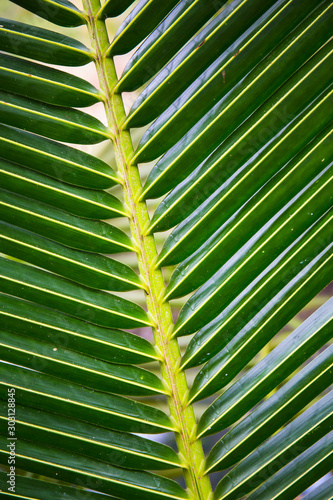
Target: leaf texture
113,412
313,334
93,204
165,41
310,466
51,121
60,12
41,44
130,451
273,412
194,58
45,84
145,16
62,330
230,67
205,136
236,101
71,366
62,162
279,450
75,469
94,270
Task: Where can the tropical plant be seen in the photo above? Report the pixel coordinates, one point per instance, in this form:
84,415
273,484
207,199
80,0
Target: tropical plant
236,101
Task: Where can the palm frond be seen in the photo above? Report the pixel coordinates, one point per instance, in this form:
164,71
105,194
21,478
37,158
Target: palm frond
236,101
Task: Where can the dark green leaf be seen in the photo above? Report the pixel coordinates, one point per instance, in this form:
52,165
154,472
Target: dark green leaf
64,124
67,399
216,214
56,160
145,16
195,57
123,450
273,412
82,202
307,83
41,44
83,234
274,368
248,337
246,160
105,478
94,270
37,322
78,368
229,68
60,12
169,36
27,487
218,292
213,337
48,289
279,450
299,474
264,325
45,84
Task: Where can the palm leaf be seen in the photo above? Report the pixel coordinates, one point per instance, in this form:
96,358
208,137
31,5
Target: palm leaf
236,102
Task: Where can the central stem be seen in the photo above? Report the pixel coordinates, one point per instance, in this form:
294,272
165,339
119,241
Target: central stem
181,413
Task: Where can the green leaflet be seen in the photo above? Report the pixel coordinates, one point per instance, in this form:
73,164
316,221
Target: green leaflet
310,336
42,45
169,36
243,341
276,367
113,8
322,492
60,12
117,448
66,164
263,326
78,368
302,472
145,16
194,58
96,271
81,302
104,478
247,151
215,214
105,410
51,121
210,340
45,324
229,68
279,450
260,84
265,79
45,84
240,96
82,234
27,488
235,228
275,411
205,304
272,413
91,204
